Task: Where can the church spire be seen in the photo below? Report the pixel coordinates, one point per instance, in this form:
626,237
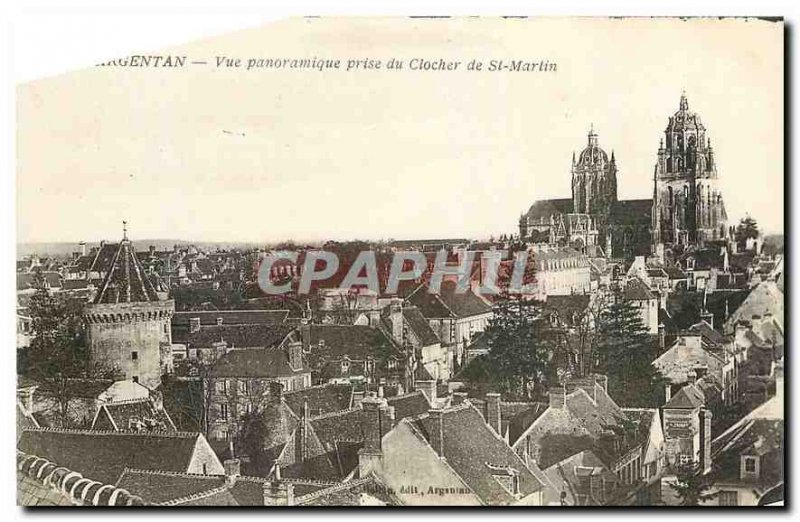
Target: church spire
684,101
592,136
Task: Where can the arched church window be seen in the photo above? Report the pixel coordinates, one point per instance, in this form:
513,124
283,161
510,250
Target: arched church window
680,142
692,143
669,189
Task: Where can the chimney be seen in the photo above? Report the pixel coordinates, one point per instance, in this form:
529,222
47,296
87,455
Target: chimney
278,493
301,437
691,376
436,433
667,393
275,391
602,381
379,421
428,388
152,250
707,317
75,256
458,398
705,440
779,381
295,350
82,244
305,333
396,320
662,337
358,396
493,412
558,397
233,469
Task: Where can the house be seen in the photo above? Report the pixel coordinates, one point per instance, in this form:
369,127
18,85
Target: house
354,354
416,333
242,381
130,406
560,270
766,298
645,300
687,428
455,317
748,458
701,352
103,455
581,416
581,479
326,446
428,459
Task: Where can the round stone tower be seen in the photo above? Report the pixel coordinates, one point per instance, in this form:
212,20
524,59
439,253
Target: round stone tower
128,325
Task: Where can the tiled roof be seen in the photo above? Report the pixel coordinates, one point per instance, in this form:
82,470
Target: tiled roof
409,405
26,280
103,455
478,456
41,482
256,363
709,334
448,302
126,415
126,280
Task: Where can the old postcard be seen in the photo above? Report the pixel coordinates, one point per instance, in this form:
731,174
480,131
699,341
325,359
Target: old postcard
407,262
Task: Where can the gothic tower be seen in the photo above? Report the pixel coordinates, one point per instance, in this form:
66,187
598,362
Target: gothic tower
128,325
687,203
594,183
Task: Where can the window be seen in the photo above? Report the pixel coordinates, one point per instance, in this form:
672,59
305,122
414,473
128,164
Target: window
136,379
194,324
750,465
345,366
728,498
134,356
219,321
223,411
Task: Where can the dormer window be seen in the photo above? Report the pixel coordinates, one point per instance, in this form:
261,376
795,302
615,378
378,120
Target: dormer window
345,366
750,466
219,321
194,324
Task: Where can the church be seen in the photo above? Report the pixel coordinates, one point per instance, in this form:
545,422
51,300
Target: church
686,209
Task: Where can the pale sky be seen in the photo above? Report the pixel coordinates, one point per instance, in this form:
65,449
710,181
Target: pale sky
202,153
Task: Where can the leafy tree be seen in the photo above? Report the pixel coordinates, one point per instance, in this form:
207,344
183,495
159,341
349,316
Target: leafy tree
58,355
746,229
692,485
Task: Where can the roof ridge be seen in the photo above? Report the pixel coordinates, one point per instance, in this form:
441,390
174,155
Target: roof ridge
333,489
169,473
335,413
86,431
196,496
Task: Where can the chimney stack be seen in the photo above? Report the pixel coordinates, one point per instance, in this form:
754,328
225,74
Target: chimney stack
662,338
233,468
458,398
705,440
428,388
305,333
436,433
380,420
83,247
493,418
278,493
301,437
558,397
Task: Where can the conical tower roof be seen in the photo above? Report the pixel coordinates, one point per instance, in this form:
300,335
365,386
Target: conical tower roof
126,280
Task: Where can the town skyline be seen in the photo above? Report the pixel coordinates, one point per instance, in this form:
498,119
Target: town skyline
464,156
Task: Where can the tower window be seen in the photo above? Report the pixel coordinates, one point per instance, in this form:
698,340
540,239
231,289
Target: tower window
136,379
134,356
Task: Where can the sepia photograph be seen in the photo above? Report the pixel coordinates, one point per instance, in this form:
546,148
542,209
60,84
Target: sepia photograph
407,261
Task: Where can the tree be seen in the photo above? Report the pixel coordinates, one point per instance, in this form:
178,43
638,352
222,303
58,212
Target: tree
58,356
625,351
692,485
746,229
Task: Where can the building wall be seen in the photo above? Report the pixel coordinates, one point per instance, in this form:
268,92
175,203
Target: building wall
204,461
128,337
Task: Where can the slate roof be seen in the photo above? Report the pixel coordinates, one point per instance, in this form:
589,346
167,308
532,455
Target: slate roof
121,416
409,405
255,363
126,280
98,259
637,290
543,209
688,398
157,487
420,326
687,353
103,455
631,212
567,305
236,336
355,341
475,458
231,317
707,333
323,399
448,303
25,281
